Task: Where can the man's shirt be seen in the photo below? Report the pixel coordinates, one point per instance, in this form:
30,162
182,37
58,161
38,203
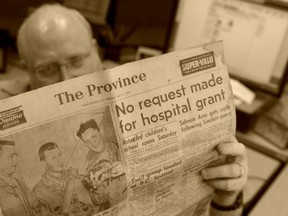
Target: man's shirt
15,198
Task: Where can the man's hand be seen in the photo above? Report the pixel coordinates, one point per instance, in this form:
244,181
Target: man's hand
230,178
117,169
69,190
72,174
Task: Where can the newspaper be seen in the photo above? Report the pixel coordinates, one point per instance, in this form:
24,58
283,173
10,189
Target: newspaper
131,140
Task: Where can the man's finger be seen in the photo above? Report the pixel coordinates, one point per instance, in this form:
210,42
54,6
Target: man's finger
227,184
234,170
232,149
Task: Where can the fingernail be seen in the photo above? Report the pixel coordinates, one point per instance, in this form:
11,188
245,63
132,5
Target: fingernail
220,149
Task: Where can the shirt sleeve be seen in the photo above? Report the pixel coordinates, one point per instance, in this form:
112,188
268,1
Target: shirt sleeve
236,212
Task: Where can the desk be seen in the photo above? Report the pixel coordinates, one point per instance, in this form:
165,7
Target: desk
274,201
258,176
260,144
278,112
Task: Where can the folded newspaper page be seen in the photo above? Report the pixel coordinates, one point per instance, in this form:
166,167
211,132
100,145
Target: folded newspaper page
127,141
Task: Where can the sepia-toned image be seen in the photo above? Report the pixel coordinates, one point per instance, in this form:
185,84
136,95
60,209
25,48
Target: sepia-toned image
143,107
70,166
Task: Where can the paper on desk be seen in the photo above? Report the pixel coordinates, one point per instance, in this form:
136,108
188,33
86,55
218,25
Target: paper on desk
241,92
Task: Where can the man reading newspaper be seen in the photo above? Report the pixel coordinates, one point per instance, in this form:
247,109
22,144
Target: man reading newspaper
227,176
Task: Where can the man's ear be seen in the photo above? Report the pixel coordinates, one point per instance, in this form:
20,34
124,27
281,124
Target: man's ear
95,44
23,64
98,52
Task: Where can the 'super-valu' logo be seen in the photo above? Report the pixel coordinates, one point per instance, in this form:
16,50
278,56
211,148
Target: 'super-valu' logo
197,63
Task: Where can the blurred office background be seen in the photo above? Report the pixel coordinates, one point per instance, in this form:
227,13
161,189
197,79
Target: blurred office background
128,30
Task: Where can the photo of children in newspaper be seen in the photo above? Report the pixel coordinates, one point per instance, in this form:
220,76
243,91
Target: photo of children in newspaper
70,166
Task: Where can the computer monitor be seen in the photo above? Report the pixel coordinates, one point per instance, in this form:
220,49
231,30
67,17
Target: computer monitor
255,38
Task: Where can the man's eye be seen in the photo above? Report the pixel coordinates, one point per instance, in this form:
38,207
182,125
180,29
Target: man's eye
76,62
47,71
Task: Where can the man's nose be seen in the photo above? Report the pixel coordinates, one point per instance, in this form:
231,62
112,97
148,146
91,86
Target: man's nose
65,73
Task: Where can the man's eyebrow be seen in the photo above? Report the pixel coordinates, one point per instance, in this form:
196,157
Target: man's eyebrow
45,65
75,56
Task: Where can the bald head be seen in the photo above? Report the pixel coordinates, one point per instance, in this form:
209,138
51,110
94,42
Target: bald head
50,22
53,35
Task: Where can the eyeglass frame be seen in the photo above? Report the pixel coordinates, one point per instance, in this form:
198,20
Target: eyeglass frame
57,71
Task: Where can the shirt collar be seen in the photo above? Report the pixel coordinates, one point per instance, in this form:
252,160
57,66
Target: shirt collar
7,181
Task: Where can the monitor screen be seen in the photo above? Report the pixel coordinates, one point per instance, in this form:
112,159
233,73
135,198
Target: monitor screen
254,36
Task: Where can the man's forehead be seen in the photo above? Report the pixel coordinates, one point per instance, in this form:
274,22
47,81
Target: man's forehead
58,31
52,152
89,132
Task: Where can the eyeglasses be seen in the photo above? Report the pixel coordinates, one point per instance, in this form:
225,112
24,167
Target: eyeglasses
53,71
